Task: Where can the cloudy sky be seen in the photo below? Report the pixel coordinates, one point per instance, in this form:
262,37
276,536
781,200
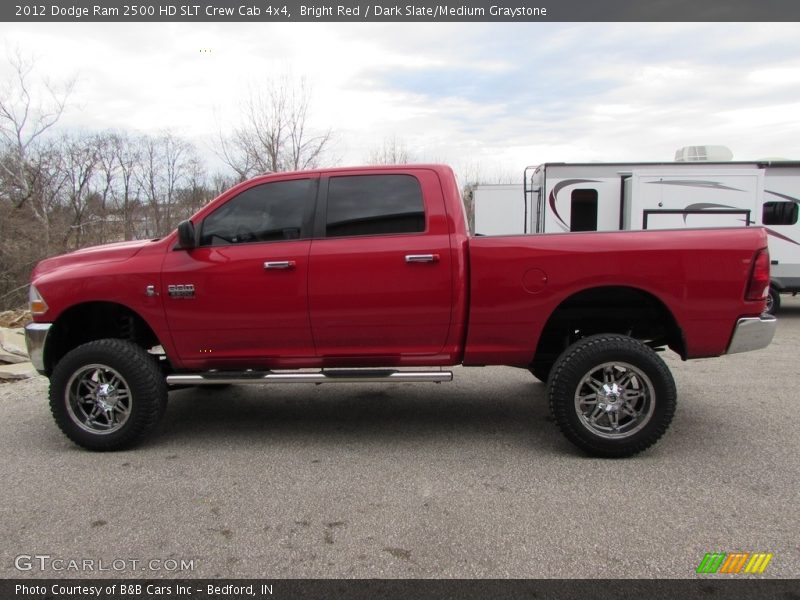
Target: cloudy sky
491,97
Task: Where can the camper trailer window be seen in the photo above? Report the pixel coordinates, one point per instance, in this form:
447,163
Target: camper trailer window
779,213
584,210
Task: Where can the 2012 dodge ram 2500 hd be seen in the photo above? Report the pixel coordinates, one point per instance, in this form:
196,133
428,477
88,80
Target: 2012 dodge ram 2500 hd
364,273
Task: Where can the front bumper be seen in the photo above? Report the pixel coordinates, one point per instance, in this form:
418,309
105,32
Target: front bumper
752,333
35,339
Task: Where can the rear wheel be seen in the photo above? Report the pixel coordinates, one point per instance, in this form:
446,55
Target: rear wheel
611,395
107,394
773,301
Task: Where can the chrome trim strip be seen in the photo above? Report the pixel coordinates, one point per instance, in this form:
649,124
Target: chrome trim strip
318,377
35,340
752,333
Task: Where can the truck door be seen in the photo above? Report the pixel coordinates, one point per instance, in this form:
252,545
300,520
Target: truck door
241,295
380,274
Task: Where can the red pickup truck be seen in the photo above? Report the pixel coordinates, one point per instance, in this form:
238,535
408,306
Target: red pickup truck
370,274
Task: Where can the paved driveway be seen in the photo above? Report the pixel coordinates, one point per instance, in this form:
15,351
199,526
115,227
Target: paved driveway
469,479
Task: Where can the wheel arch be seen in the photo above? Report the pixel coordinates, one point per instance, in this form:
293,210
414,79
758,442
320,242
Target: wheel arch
90,321
626,310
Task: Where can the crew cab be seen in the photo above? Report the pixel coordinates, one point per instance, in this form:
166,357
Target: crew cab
370,274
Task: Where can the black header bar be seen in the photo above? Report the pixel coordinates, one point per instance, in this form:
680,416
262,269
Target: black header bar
374,11
398,589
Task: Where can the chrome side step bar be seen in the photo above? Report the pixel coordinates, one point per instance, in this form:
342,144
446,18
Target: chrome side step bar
327,376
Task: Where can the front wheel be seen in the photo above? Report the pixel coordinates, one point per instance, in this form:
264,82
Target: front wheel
107,394
611,395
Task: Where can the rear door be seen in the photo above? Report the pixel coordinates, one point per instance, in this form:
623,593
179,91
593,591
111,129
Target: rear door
380,270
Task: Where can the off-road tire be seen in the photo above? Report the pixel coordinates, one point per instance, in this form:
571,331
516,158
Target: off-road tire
648,374
138,372
773,302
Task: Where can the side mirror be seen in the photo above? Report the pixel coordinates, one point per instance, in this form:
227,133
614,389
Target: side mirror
186,236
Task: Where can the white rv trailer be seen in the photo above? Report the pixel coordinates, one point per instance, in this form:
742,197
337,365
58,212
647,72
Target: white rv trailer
618,196
500,209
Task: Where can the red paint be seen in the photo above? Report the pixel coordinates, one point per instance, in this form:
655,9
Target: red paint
355,301
534,280
699,275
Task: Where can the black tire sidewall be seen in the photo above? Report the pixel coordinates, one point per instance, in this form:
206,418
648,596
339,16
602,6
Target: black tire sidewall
580,358
141,375
776,301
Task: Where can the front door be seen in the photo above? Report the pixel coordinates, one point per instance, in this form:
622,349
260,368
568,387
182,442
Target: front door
240,298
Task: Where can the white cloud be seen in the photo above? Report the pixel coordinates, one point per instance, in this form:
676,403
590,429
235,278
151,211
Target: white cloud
505,95
778,76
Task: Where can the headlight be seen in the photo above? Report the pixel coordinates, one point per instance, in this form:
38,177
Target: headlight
36,303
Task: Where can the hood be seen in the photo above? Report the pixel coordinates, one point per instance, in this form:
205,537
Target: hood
116,252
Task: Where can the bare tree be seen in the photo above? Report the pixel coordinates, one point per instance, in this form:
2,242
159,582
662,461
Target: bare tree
23,122
178,161
274,134
393,152
45,182
195,193
167,166
219,183
107,174
127,155
149,180
27,232
80,161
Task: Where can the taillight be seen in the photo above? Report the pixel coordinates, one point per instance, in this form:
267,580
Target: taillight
758,285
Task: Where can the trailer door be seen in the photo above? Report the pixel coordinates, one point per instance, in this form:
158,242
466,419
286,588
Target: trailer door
578,198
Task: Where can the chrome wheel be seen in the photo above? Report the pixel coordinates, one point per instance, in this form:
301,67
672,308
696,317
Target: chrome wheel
98,399
614,400
107,394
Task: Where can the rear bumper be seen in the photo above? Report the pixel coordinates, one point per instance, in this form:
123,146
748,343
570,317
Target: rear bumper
35,339
752,333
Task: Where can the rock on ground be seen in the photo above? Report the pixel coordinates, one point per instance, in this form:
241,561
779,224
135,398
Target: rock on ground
14,362
15,318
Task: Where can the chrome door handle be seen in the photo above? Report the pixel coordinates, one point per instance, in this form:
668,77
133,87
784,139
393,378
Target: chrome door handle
422,258
279,264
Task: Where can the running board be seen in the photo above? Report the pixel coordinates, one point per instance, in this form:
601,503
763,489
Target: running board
327,376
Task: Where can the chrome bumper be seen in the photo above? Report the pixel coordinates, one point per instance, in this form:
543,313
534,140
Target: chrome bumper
752,334
35,338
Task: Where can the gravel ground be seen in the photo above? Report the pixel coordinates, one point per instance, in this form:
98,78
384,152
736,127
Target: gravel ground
469,479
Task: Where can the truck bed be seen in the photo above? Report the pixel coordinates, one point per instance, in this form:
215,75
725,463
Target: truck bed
698,276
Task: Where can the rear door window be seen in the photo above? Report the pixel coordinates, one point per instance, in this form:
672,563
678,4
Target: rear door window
374,205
